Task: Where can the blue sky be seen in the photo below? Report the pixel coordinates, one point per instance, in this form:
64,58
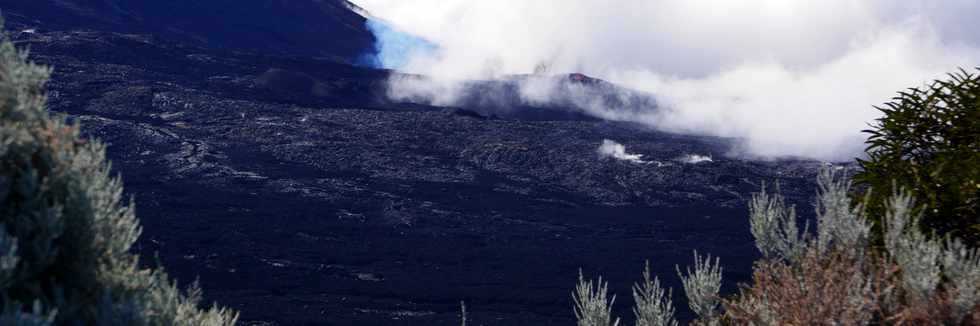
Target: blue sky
395,48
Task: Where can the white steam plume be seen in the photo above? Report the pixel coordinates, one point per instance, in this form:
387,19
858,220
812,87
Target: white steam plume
788,77
616,150
695,159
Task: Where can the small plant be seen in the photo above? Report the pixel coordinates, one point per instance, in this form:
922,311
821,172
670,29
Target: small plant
917,255
961,266
839,223
462,313
654,306
702,286
773,225
592,306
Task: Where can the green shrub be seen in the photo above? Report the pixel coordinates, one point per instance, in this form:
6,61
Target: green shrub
839,279
65,230
829,276
928,142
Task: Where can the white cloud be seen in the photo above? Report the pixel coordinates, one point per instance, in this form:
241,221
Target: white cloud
788,77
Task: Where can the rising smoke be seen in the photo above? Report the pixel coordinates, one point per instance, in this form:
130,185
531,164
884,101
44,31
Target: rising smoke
695,159
617,151
787,77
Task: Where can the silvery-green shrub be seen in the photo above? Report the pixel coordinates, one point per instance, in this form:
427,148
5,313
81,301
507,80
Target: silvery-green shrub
653,304
702,286
593,307
65,229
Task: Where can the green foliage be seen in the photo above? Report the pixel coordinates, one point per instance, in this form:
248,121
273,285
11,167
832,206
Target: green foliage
916,279
928,142
65,230
829,276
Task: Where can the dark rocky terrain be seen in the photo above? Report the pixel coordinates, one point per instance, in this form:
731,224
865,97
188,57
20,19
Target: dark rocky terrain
299,195
321,28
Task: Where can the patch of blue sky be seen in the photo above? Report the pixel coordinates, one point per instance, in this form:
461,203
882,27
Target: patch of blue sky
394,49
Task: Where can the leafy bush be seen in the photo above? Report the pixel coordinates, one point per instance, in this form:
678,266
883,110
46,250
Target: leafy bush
928,142
832,275
817,289
846,282
65,230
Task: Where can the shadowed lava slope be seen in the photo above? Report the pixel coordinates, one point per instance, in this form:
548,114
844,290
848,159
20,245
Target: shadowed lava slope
300,198
320,28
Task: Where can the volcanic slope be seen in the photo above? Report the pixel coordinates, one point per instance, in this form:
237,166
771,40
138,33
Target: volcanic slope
300,196
321,28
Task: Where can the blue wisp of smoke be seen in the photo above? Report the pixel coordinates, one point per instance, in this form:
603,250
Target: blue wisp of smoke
393,48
